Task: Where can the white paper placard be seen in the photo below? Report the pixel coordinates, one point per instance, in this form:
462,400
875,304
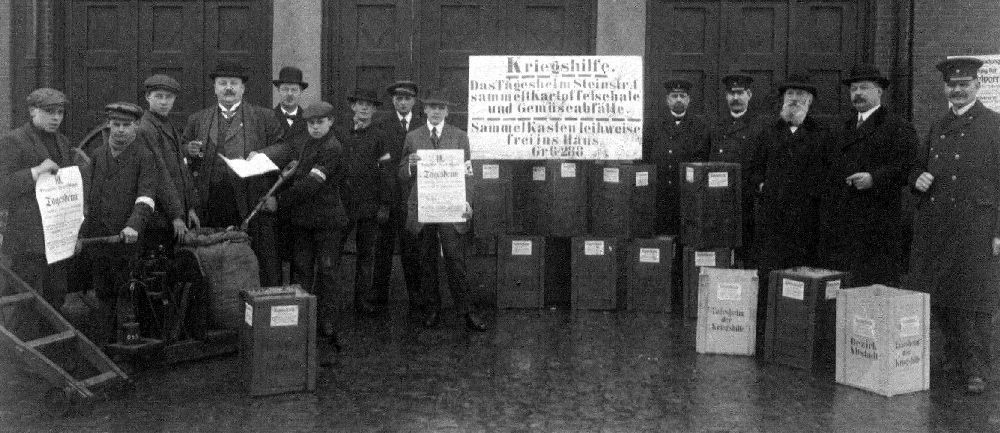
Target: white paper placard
729,292
567,169
611,174
689,174
491,171
593,248
642,178
718,179
793,289
649,255
704,258
248,314
520,248
284,315
441,186
538,173
832,287
60,203
864,326
909,326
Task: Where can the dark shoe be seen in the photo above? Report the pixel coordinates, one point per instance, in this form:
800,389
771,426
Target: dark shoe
365,309
329,332
432,319
975,385
475,323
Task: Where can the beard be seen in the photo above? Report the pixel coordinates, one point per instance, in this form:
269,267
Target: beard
794,112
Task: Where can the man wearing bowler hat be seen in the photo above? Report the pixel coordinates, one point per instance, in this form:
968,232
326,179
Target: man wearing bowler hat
396,125
236,129
290,86
868,166
447,238
956,227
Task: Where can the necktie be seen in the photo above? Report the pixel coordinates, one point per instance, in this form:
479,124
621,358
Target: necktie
435,140
228,114
402,122
860,121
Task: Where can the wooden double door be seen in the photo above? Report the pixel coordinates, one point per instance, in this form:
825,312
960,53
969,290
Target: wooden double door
112,46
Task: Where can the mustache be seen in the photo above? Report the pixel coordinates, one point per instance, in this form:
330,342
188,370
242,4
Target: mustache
229,92
957,94
859,99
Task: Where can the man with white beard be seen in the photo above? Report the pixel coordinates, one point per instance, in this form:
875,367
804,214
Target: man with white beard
786,170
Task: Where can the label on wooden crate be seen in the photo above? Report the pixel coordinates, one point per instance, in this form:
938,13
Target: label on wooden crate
718,179
284,315
611,175
491,171
704,258
593,248
729,292
831,289
520,248
567,169
864,326
793,289
248,314
642,178
689,174
649,255
538,173
909,326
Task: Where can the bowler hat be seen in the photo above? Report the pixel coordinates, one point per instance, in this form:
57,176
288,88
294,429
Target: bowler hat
799,81
290,75
404,87
369,95
45,97
435,97
228,68
678,85
162,82
123,111
865,72
960,68
737,81
317,109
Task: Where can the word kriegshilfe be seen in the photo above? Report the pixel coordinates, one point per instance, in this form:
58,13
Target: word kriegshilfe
60,202
441,186
989,80
555,107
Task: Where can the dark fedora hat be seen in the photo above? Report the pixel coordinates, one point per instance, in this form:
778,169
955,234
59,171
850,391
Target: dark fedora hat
228,68
369,95
290,75
865,72
798,80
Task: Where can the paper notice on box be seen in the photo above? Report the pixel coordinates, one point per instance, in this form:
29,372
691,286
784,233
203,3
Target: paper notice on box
567,169
538,173
593,248
729,292
611,174
649,255
831,289
689,175
864,326
520,248
909,326
793,289
284,315
491,171
248,314
642,178
704,258
718,179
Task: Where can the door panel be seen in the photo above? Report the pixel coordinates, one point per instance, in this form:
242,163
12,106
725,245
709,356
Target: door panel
754,43
826,47
375,47
686,46
233,31
165,46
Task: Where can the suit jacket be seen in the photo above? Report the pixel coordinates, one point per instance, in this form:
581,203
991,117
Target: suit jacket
20,150
308,201
176,193
253,129
451,138
115,185
368,178
296,134
400,189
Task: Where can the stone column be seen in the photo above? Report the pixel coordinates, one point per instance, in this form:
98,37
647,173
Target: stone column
6,75
298,30
621,27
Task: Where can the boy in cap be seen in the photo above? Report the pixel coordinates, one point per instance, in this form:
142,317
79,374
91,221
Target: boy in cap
119,198
312,205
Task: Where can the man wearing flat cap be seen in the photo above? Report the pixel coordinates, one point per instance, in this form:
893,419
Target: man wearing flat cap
367,188
956,227
236,129
868,167
677,138
120,198
176,187
25,153
312,204
396,125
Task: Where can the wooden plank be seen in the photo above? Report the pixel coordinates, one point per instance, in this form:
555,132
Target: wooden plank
51,339
13,299
99,379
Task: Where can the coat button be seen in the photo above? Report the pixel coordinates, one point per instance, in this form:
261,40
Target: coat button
961,135
956,156
942,137
953,177
670,151
932,198
720,150
935,156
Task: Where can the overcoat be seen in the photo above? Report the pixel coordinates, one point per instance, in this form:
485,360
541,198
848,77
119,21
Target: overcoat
296,134
450,138
957,218
115,184
308,201
367,179
668,144
732,138
176,194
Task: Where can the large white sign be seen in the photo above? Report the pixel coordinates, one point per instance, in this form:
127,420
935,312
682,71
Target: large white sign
60,201
989,79
555,107
441,186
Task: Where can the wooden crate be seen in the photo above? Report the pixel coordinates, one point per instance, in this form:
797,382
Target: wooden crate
595,275
727,316
559,192
520,272
278,340
693,261
491,199
643,212
711,205
883,340
801,317
648,274
611,189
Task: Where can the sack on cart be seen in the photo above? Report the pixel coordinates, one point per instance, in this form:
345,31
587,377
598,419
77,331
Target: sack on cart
228,265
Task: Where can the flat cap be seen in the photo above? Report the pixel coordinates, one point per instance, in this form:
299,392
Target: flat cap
960,68
123,111
162,82
435,97
404,87
678,85
46,97
317,109
736,81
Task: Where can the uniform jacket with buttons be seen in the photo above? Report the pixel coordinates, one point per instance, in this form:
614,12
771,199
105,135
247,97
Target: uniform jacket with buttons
450,137
957,218
732,138
668,144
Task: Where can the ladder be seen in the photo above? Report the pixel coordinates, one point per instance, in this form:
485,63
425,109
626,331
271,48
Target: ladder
67,359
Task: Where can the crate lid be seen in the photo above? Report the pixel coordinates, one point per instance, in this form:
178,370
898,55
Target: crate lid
289,291
811,272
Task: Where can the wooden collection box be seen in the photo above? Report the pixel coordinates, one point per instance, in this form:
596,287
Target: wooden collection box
727,316
278,340
711,205
643,200
801,317
883,340
520,272
693,261
560,192
648,274
595,275
491,199
611,199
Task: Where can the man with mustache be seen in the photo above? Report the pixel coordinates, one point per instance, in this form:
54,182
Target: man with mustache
235,129
731,142
956,227
786,170
868,167
290,86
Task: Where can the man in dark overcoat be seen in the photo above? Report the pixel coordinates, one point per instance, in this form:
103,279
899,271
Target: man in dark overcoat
868,165
290,86
236,129
956,227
